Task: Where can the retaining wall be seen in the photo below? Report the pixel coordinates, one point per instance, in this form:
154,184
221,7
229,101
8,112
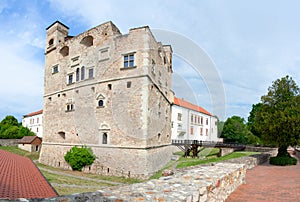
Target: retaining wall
9,142
210,182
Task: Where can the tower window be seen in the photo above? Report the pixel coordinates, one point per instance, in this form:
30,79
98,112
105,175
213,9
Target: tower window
82,73
129,84
109,86
51,41
129,60
70,78
55,69
100,103
91,73
77,74
104,138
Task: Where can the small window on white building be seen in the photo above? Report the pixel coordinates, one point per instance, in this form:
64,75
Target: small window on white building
179,116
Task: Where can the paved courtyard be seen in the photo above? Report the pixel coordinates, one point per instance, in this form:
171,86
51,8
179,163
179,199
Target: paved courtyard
20,178
269,183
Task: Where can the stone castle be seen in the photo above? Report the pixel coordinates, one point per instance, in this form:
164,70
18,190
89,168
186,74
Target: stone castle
110,92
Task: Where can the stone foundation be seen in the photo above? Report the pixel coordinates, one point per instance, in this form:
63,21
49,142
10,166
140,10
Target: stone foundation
128,162
9,142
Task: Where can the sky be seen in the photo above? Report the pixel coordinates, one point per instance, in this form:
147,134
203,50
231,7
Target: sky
251,43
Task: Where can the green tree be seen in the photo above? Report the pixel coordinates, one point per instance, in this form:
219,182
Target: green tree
10,120
235,130
278,119
80,157
251,119
24,131
11,132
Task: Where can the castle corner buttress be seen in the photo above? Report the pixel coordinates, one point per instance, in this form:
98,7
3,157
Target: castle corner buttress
110,92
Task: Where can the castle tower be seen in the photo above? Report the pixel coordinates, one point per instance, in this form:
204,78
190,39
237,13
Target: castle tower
110,92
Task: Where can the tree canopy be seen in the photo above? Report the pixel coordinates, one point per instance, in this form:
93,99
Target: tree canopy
235,130
277,117
11,129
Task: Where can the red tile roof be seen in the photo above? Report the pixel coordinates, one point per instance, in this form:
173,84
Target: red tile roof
20,178
27,139
188,105
34,113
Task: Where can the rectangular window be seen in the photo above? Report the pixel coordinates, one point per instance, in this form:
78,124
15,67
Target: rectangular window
82,73
129,84
201,120
129,60
37,120
192,118
192,130
55,69
91,73
206,121
201,131
179,116
70,78
206,132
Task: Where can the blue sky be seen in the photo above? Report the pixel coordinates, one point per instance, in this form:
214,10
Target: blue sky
251,43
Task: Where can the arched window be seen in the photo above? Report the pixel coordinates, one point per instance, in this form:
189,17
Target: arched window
82,73
77,74
100,103
104,138
64,51
87,41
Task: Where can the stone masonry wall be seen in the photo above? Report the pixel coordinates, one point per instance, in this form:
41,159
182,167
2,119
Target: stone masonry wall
9,142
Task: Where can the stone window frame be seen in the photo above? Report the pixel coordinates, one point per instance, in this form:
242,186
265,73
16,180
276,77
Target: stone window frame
68,78
101,99
70,105
88,73
127,60
55,69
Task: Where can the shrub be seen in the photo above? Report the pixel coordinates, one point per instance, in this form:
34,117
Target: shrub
283,160
80,157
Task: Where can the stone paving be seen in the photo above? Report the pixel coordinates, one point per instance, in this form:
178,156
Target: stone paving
269,183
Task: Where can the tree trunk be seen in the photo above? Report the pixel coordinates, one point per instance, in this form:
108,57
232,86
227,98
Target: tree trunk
282,151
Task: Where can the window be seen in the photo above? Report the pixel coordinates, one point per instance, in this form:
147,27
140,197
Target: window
51,41
77,74
104,138
179,126
206,121
179,116
37,130
37,120
55,69
201,131
91,73
70,78
192,118
129,60
206,132
201,120
82,72
100,103
192,130
129,84
109,86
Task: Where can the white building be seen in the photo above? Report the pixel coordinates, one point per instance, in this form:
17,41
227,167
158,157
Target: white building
192,122
34,121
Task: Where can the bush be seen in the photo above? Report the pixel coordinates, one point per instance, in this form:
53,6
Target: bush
283,160
80,157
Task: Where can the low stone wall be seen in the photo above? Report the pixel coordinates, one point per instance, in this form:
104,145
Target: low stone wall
199,183
225,151
269,150
251,161
9,142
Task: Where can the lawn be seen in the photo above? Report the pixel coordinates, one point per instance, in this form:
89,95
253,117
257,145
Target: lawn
16,150
185,162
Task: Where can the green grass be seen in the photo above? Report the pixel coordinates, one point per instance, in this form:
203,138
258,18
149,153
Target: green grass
72,190
186,162
16,150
